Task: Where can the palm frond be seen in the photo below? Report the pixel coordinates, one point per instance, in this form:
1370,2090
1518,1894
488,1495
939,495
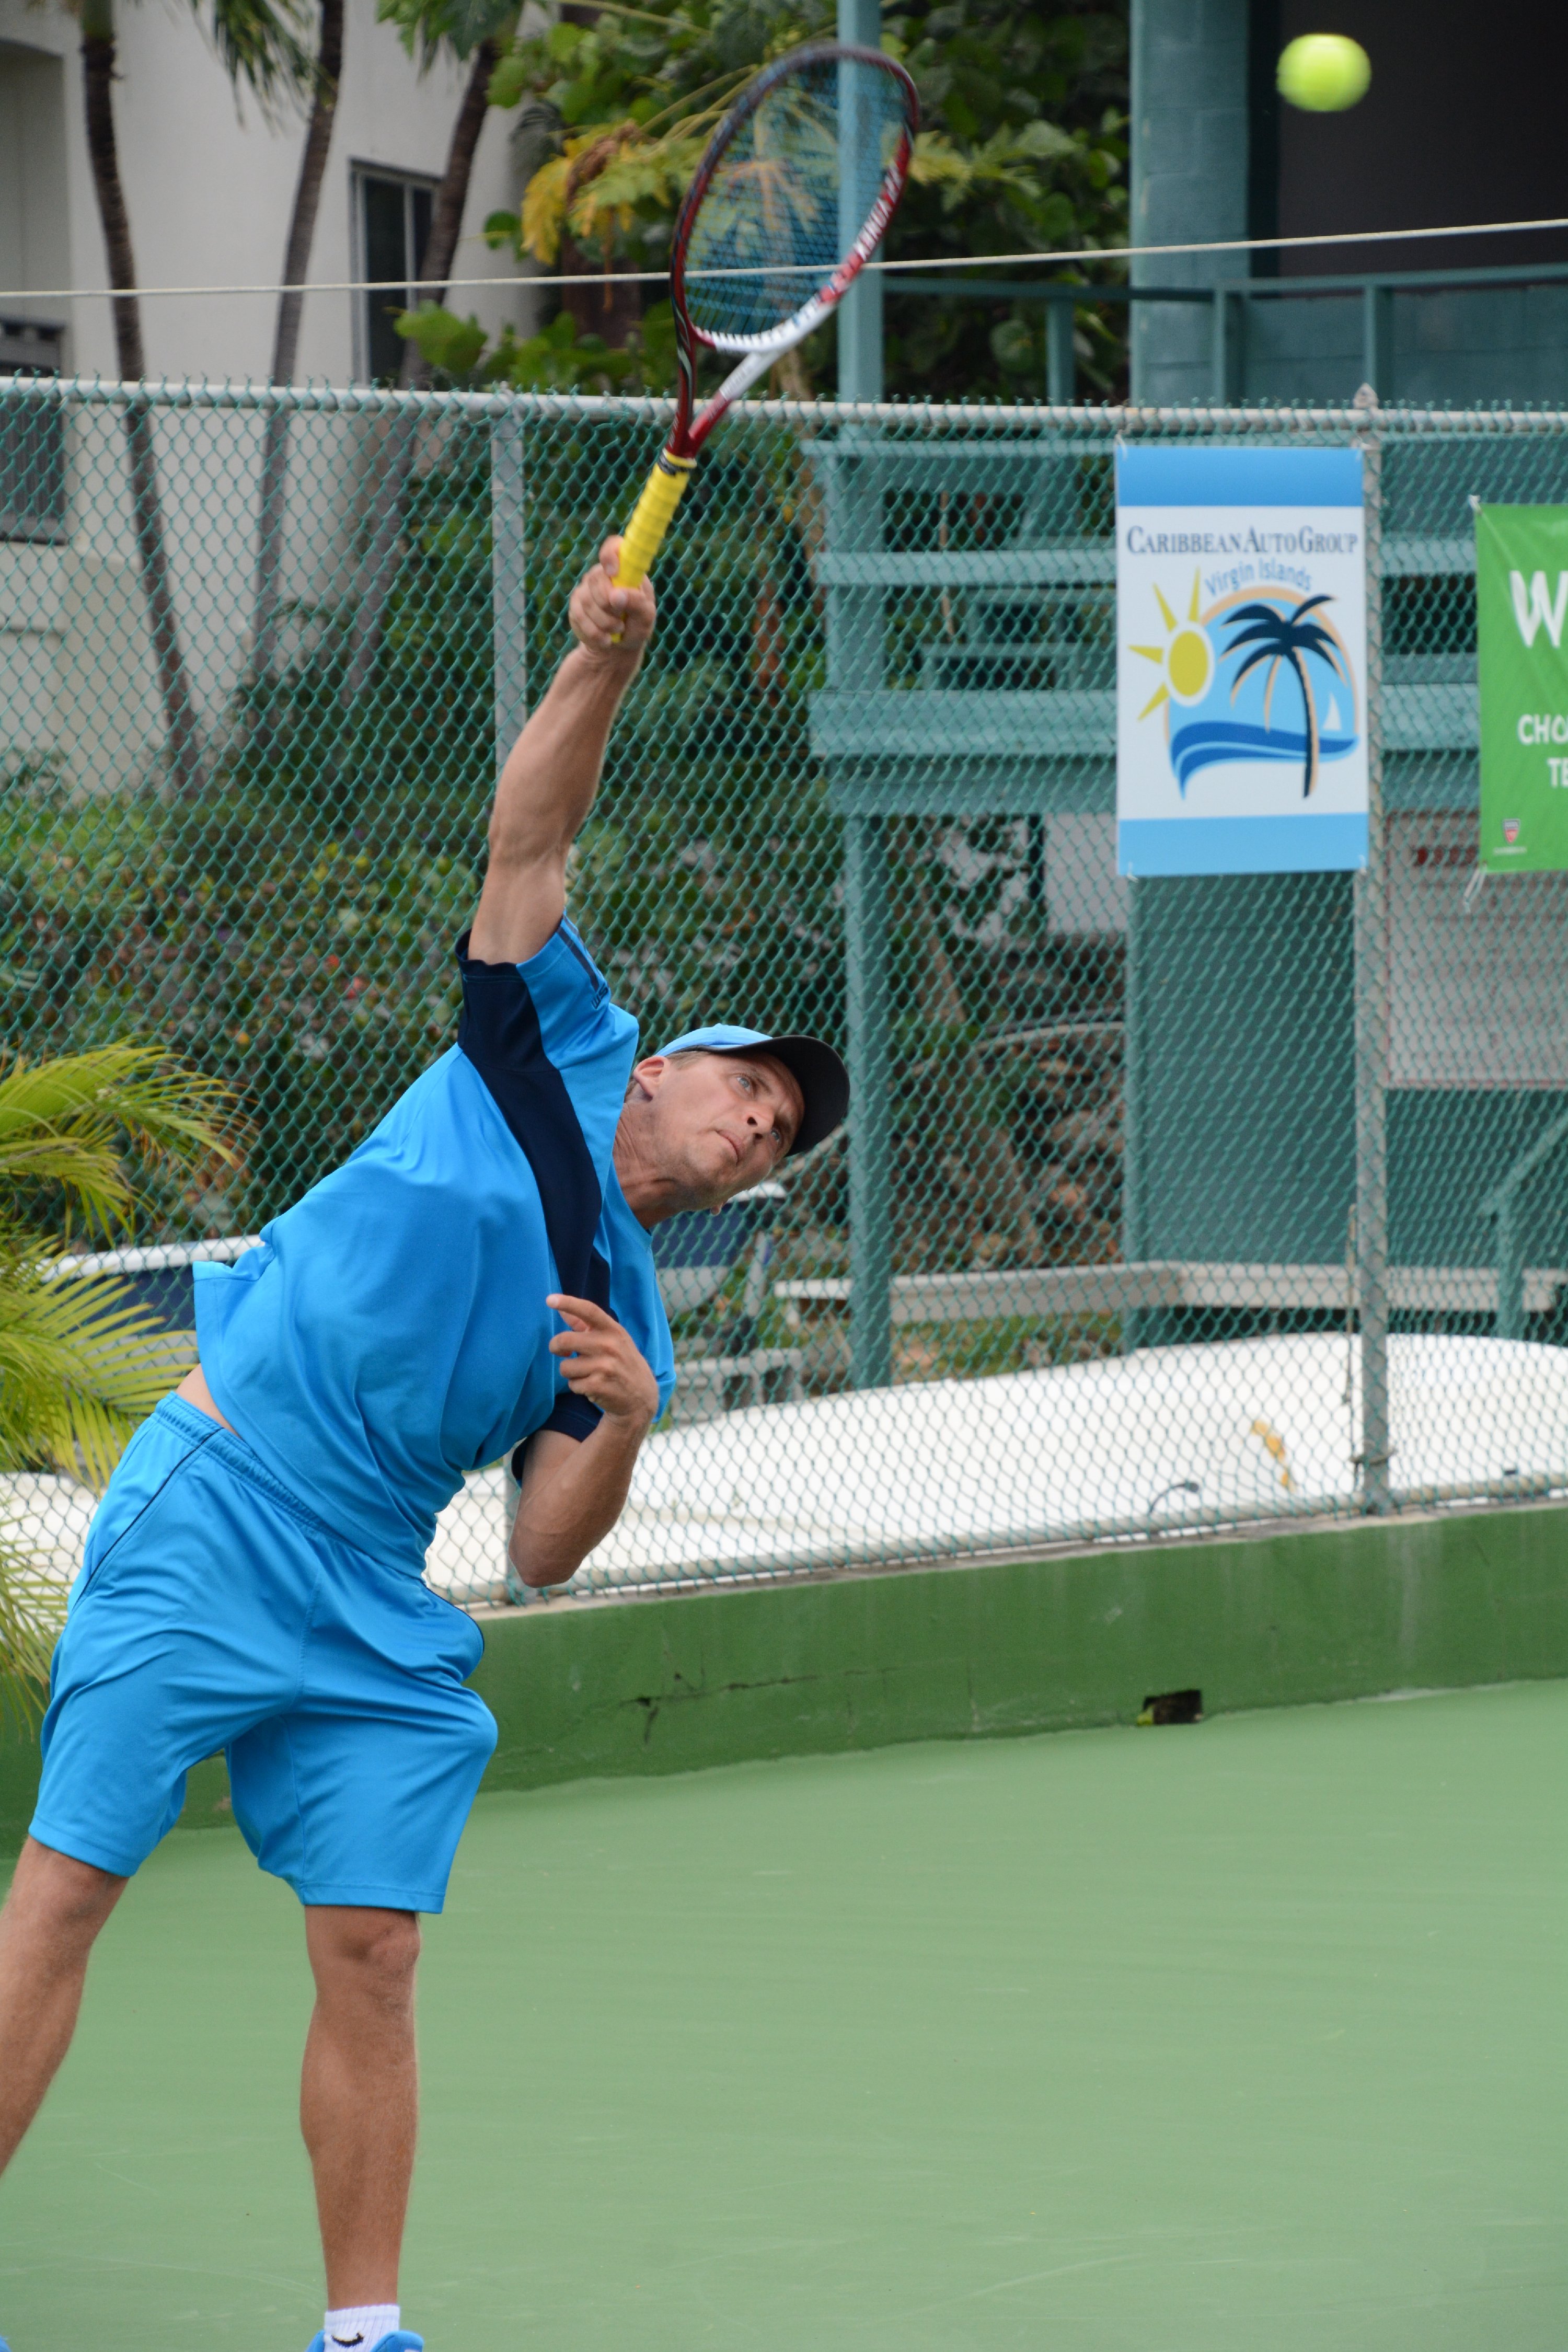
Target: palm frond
265,45
80,1361
80,1364
63,1123
1270,651
31,1611
1270,632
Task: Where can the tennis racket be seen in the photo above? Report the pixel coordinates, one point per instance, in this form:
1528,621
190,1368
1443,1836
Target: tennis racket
790,201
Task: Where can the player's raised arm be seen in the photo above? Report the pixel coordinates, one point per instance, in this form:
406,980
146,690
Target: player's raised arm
548,783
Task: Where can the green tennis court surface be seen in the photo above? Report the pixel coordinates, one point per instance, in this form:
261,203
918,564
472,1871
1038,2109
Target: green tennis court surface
1238,2036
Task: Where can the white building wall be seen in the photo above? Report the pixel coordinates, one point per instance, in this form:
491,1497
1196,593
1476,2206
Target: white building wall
209,188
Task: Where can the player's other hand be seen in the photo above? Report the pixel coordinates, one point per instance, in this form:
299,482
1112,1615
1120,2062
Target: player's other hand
602,1362
609,623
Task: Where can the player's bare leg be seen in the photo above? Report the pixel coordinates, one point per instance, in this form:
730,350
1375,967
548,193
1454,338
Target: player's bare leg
48,1928
359,2097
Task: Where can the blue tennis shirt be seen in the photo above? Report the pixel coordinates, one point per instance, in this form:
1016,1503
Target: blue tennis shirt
391,1334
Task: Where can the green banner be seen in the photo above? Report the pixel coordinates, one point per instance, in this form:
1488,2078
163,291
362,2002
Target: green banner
1521,605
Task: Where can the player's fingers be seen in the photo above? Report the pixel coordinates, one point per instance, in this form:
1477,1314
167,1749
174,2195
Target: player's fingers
640,610
595,615
591,1318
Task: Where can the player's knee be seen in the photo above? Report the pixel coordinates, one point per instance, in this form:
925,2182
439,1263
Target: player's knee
367,1955
390,1955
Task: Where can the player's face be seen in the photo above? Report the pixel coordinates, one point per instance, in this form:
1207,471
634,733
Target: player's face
723,1122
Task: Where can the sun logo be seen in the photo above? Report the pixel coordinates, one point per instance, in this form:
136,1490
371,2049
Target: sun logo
1187,658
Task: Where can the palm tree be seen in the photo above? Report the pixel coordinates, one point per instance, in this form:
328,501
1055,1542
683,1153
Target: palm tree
1287,638
258,44
80,1363
326,80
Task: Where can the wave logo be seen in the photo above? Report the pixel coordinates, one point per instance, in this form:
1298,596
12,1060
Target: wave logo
1262,674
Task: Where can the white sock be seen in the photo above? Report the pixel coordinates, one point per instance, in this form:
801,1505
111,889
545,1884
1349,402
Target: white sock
360,2327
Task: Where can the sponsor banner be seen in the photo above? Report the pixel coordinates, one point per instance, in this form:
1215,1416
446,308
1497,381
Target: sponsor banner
1521,605
1240,661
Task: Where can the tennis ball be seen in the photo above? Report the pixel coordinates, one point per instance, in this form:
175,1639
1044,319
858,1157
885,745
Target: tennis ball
1324,72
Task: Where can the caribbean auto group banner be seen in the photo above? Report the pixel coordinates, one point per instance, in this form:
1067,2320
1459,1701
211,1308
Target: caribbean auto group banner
1240,661
1522,604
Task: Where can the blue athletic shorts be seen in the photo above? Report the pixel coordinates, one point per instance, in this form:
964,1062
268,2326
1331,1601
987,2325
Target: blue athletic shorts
214,1610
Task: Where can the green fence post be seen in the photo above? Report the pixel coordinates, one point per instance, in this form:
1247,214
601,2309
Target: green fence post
1135,1326
1505,1202
1377,338
871,1218
855,620
1229,313
508,551
1509,1321
1062,360
860,312
1372,1015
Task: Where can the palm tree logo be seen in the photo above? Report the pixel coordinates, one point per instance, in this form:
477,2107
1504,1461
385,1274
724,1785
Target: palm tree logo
1286,640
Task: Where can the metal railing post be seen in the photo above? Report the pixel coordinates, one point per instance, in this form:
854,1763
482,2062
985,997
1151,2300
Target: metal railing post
508,656
1227,321
508,551
1062,360
1510,1320
1505,1202
1377,340
1372,1015
860,312
870,1135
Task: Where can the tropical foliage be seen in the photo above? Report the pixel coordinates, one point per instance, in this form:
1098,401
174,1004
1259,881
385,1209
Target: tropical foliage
1024,150
82,1135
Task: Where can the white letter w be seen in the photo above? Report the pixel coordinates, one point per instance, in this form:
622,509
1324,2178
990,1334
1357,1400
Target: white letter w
1530,610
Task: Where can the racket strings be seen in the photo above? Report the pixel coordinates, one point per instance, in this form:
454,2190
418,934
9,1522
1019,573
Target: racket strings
789,195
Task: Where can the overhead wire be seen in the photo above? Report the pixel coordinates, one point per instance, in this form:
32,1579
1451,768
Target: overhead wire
1060,258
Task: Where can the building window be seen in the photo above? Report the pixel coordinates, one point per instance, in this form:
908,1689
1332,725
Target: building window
392,225
32,437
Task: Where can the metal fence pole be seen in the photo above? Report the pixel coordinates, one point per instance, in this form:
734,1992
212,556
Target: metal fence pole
509,643
860,312
1377,340
871,1218
1371,1014
508,551
1061,359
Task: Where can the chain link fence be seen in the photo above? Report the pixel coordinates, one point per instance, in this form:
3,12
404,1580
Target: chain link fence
1165,1206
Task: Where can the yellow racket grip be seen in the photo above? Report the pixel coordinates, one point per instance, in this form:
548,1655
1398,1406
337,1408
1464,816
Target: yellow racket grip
654,513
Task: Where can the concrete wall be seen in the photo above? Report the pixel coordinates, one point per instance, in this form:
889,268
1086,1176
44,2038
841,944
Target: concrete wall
586,1689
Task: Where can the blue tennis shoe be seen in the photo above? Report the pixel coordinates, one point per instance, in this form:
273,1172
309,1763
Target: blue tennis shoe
401,2342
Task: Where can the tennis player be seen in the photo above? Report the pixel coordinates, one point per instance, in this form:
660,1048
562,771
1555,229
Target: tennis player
478,1280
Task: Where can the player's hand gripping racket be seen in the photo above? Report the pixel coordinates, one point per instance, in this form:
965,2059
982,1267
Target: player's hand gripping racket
799,182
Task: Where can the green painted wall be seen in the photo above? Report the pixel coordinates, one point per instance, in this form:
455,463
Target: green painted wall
586,1689
672,1684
